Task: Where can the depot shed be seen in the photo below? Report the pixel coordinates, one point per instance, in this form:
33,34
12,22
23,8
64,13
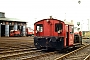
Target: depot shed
7,24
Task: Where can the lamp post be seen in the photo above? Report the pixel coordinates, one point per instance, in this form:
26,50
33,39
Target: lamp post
78,23
79,1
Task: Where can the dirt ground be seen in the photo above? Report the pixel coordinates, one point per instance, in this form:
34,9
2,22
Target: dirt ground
7,43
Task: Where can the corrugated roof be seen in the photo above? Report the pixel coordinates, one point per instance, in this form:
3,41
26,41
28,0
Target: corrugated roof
11,19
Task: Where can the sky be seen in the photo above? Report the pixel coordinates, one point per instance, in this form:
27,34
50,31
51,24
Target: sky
34,10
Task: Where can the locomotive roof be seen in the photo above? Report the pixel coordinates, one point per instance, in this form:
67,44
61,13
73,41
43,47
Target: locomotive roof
66,22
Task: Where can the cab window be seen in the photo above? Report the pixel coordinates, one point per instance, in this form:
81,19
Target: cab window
58,26
71,29
39,27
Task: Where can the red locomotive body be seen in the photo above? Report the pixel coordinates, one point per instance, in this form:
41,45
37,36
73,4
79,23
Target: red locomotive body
29,31
14,33
53,33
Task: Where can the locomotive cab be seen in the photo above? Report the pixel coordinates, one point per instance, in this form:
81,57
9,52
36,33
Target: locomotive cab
47,32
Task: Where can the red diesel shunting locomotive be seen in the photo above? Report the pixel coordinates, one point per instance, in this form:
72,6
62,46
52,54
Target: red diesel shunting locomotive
56,34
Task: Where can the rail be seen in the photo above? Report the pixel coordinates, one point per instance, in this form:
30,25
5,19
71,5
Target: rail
39,56
15,54
66,55
87,58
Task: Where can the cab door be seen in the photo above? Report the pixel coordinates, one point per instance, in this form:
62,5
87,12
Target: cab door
67,35
71,35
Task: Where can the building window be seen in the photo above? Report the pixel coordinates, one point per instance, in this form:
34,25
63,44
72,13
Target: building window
39,27
58,27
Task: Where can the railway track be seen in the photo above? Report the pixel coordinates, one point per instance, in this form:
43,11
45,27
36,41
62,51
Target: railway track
26,54
82,53
15,51
49,56
11,55
9,48
42,56
20,51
